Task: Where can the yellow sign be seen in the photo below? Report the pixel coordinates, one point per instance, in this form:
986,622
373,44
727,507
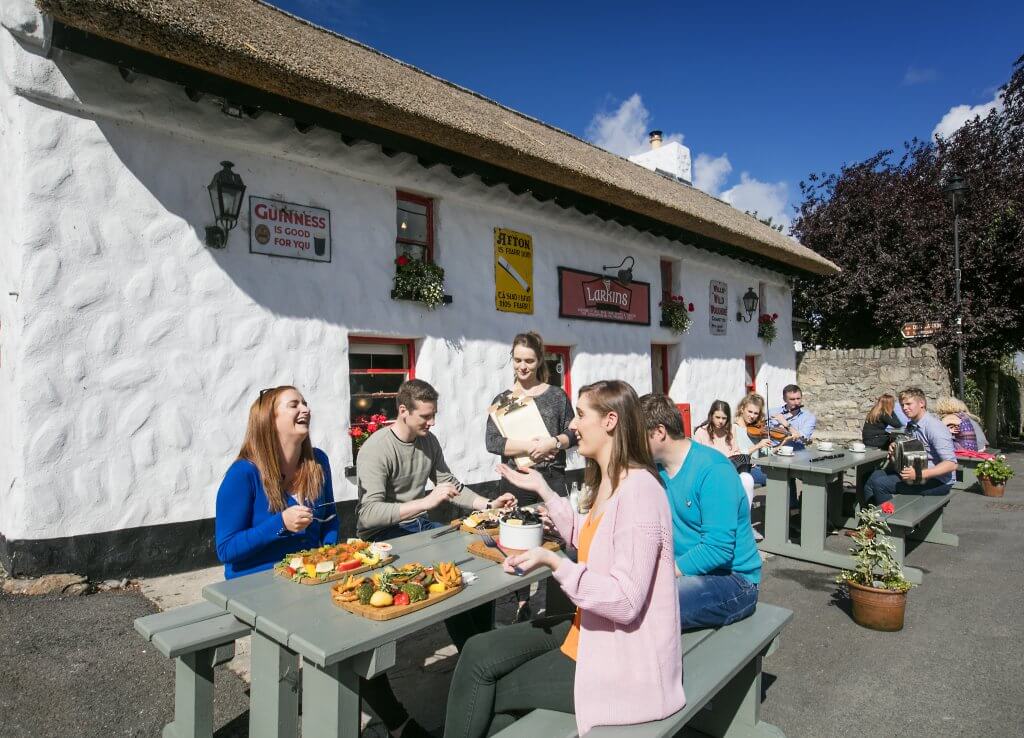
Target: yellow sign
513,271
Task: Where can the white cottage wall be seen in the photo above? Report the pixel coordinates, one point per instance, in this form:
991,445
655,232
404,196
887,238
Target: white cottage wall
150,347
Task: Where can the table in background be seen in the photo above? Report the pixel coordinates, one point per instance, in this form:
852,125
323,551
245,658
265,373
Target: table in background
292,622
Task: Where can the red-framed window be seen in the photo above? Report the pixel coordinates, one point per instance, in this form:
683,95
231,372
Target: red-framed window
377,367
659,368
750,364
414,222
666,280
558,359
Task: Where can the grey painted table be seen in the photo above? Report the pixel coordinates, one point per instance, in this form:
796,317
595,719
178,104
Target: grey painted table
820,501
292,622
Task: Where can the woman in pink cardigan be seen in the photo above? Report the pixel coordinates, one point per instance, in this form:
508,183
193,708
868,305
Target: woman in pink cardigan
618,660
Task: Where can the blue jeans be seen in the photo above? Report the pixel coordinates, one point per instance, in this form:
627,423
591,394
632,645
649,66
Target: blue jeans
758,474
712,600
882,485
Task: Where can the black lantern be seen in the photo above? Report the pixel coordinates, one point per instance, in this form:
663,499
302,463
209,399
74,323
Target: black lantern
625,276
956,188
226,192
750,301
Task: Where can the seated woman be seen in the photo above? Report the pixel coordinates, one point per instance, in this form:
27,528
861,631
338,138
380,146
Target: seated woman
276,497
880,417
618,661
750,415
965,427
719,433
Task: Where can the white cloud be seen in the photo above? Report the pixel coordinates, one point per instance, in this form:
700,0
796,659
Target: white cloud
919,76
624,131
960,114
767,199
710,172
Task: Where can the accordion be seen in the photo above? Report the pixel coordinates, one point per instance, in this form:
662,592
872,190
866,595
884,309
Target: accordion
909,451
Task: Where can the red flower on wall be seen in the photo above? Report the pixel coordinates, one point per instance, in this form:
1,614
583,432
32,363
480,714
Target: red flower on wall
402,260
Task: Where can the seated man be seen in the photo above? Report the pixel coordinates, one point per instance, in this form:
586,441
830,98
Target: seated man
392,470
717,563
937,479
793,418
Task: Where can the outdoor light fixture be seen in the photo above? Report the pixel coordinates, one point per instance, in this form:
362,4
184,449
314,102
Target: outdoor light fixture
956,188
625,276
226,192
749,305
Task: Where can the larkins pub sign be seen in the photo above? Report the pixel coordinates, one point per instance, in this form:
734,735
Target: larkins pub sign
591,296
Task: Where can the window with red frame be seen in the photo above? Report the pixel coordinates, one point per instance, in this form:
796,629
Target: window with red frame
414,218
377,368
559,367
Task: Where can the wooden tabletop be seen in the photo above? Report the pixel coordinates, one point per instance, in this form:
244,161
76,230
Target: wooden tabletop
802,460
306,620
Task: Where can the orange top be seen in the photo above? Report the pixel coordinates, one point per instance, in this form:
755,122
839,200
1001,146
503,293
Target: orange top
572,640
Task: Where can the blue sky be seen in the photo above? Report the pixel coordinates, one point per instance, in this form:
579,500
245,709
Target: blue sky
761,93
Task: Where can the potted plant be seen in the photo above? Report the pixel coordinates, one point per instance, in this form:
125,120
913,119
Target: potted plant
766,329
876,585
994,473
363,427
419,280
675,313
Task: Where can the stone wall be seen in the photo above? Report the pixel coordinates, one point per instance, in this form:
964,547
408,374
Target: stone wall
841,386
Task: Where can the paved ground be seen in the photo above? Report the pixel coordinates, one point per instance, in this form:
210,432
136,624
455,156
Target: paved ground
75,667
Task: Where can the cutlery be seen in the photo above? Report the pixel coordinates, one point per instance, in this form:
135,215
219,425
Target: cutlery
491,543
451,528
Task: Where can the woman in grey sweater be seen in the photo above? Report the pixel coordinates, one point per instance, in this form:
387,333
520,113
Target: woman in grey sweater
548,453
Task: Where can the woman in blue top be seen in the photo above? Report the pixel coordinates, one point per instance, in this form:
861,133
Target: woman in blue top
276,498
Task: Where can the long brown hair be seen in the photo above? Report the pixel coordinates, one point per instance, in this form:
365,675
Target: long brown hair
720,406
884,405
535,343
261,447
629,438
751,398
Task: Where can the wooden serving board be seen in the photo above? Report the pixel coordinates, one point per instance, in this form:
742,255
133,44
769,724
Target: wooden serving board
336,576
479,548
395,611
491,530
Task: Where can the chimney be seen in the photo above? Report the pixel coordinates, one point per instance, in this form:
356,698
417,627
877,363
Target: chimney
655,139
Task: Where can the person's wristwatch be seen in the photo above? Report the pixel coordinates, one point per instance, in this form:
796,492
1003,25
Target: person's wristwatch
558,443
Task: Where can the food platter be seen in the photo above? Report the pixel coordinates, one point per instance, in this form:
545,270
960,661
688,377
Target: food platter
334,562
393,592
479,548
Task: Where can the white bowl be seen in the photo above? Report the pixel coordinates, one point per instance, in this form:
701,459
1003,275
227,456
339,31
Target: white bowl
784,451
826,446
858,448
520,537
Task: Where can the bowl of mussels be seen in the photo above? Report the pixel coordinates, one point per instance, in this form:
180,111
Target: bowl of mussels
520,528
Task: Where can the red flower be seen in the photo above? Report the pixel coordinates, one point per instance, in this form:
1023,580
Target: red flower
690,307
402,260
356,432
775,316
372,427
888,508
379,418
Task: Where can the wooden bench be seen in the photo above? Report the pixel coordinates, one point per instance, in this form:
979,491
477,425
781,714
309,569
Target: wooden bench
199,637
722,679
918,518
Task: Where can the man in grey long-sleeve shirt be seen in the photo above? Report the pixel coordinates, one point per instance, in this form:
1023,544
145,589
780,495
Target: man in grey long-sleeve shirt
394,465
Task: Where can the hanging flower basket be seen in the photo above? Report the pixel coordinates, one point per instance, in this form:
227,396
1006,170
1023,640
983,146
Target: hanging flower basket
675,314
363,427
766,329
420,281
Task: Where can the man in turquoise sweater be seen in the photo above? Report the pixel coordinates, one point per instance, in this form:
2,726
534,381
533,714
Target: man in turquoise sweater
717,562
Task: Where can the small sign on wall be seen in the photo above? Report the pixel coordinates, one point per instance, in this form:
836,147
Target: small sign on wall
279,228
513,271
591,296
719,307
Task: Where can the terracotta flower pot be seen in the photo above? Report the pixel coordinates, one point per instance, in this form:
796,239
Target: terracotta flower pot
992,489
878,609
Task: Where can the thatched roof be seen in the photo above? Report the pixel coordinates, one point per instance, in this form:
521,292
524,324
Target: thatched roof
251,43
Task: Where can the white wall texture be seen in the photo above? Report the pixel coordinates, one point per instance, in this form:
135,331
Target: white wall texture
133,351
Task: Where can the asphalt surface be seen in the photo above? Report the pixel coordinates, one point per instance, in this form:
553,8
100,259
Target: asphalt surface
74,666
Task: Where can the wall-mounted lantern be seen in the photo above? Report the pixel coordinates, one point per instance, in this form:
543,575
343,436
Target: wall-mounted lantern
625,276
750,301
226,192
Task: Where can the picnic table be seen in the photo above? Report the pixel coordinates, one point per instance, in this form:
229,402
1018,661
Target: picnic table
292,623
820,500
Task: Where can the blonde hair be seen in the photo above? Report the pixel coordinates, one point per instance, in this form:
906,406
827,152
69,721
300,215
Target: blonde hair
884,405
751,398
953,405
261,447
629,438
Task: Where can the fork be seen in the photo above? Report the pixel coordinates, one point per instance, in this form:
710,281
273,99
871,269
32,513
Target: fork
491,543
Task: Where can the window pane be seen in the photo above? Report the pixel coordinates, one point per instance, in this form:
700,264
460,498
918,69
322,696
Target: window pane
367,406
375,384
411,219
375,361
413,251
